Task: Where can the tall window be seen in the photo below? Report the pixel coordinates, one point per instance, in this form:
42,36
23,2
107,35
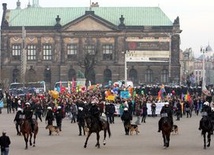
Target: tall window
107,52
16,52
90,49
47,52
31,52
164,76
107,76
149,76
72,51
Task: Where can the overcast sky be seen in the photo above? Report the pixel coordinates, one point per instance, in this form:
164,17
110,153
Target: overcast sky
196,16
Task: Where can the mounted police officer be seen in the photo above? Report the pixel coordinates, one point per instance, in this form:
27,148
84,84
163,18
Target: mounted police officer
17,120
94,112
206,112
28,112
166,111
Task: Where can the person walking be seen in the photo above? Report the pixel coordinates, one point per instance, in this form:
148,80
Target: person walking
59,117
126,118
49,117
4,143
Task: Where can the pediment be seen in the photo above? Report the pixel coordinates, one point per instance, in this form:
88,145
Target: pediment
87,24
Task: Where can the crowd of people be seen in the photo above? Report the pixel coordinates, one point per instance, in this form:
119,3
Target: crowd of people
94,102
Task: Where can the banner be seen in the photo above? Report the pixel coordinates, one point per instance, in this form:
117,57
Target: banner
158,107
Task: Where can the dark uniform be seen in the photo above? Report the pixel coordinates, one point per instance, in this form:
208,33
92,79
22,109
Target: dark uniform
49,117
17,120
81,119
28,112
59,117
95,113
207,109
4,143
165,109
126,118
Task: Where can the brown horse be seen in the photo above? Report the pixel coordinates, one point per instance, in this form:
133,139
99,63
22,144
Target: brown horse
166,128
27,132
207,128
94,127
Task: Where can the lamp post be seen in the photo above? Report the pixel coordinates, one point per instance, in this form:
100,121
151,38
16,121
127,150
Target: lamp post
204,89
125,68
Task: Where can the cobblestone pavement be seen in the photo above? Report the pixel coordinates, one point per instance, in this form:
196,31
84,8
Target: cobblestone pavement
147,142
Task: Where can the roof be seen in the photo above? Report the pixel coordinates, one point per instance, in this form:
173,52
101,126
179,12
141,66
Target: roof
134,16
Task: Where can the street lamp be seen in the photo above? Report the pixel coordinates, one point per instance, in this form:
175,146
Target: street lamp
125,68
204,89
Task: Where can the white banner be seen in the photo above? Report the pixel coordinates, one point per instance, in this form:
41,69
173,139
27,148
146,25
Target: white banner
158,108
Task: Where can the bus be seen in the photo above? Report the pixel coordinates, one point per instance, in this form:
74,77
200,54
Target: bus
38,87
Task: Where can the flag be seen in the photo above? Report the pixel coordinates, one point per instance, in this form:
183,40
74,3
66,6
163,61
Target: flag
62,88
161,93
187,97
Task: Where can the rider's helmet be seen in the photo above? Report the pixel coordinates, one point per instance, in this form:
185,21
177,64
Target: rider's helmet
27,104
206,103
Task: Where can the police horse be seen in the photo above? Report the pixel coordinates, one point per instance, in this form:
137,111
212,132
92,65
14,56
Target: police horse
206,129
94,126
27,132
166,127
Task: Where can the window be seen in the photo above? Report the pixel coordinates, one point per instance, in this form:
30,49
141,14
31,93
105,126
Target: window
90,49
148,76
107,52
31,52
164,76
72,51
16,52
47,52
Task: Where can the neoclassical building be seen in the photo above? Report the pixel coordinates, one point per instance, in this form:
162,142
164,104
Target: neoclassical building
54,44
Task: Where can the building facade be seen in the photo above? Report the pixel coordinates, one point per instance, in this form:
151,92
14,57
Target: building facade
61,44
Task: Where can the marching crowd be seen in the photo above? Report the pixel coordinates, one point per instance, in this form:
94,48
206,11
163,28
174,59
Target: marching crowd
95,103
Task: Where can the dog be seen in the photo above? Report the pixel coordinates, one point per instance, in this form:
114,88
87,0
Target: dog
133,128
175,129
53,129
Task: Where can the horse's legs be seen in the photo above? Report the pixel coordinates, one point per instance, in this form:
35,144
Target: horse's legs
168,139
98,139
34,139
86,141
209,139
30,140
204,135
164,140
26,140
104,140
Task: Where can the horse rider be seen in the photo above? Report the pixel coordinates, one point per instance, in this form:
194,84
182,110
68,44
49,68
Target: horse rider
166,109
59,117
49,117
126,118
206,111
94,112
28,112
17,119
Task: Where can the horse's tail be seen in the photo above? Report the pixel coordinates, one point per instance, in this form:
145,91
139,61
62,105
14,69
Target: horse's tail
109,131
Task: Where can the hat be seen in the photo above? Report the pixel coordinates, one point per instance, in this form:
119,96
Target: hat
125,109
206,103
59,107
80,108
27,103
19,109
4,131
49,108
